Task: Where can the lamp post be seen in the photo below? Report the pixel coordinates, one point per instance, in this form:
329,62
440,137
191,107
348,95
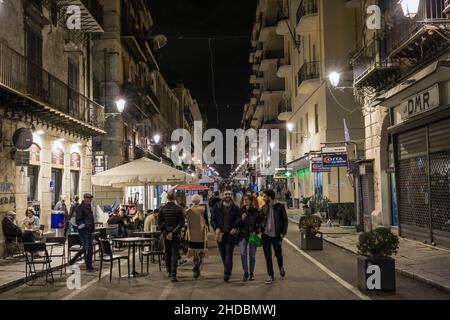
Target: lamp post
120,105
410,8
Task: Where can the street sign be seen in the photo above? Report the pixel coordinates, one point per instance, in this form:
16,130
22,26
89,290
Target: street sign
334,150
334,160
317,166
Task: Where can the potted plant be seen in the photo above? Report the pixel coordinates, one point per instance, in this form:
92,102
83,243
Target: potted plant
310,236
376,267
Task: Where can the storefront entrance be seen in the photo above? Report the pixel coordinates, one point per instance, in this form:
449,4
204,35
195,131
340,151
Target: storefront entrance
423,183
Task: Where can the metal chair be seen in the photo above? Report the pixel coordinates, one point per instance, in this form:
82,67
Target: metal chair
107,255
32,259
154,251
61,243
73,244
13,246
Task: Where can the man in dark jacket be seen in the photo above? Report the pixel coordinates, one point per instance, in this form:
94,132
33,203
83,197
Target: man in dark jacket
274,228
225,219
12,232
86,227
171,221
214,200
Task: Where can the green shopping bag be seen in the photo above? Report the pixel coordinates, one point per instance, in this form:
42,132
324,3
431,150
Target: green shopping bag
254,240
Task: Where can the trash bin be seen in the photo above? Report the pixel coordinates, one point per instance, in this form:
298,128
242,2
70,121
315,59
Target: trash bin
57,222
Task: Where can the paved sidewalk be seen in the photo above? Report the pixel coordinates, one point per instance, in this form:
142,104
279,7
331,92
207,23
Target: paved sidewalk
414,259
12,270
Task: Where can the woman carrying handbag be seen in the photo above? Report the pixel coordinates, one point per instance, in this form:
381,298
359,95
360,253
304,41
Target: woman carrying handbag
250,219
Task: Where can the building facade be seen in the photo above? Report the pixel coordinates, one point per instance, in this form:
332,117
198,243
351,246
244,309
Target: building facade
314,110
127,69
401,76
50,102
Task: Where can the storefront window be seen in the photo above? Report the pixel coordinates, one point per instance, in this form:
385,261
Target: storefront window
33,179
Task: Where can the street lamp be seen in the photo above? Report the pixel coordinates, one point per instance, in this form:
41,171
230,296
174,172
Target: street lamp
334,78
290,126
120,104
157,138
410,8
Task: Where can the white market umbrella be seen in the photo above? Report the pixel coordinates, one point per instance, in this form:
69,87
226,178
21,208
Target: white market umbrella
142,172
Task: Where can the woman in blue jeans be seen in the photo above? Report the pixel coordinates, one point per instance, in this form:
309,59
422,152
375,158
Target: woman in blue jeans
250,219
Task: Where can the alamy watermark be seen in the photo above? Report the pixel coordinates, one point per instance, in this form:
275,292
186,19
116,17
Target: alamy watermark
252,146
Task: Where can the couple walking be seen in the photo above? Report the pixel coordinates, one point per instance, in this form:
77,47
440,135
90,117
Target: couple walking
232,224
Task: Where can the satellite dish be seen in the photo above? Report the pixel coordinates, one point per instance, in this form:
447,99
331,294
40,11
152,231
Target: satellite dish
23,138
160,41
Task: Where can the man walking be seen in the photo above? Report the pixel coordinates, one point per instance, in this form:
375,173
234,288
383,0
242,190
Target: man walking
224,221
274,228
72,228
171,221
86,225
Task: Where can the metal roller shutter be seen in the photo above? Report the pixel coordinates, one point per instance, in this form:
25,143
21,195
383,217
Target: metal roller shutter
413,191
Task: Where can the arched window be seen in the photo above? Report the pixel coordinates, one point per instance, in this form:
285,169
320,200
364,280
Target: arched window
35,155
58,158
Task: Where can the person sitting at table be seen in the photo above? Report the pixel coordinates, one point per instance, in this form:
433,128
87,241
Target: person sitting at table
116,219
138,220
30,222
12,232
150,222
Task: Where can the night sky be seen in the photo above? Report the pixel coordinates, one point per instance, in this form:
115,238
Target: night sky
186,59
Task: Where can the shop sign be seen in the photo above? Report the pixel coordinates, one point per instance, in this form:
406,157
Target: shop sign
420,103
100,163
335,150
334,160
317,166
7,197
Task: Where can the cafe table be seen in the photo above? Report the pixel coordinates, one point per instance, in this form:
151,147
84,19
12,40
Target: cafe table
133,242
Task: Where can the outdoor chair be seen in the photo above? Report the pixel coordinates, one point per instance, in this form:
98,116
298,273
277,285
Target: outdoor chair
60,243
106,255
11,247
73,244
152,252
37,254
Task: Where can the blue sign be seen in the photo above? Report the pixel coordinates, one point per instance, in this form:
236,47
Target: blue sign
317,166
334,160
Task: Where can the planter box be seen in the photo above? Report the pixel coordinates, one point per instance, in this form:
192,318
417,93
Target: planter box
311,241
376,274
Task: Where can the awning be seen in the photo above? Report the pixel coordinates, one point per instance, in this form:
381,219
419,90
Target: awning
190,187
142,172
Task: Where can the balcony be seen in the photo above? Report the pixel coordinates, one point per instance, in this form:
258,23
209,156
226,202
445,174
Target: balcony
91,14
284,68
423,36
142,93
135,38
307,16
370,69
26,88
284,110
309,71
271,57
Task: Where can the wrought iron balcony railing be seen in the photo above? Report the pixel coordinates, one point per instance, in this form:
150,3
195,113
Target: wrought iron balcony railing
404,30
309,71
370,68
21,75
306,7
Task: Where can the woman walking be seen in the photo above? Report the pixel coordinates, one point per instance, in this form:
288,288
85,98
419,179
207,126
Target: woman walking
197,233
250,221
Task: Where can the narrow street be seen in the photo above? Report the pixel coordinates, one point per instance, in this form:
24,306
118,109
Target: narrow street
322,275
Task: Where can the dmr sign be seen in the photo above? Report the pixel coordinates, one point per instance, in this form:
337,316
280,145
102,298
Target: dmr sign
420,103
